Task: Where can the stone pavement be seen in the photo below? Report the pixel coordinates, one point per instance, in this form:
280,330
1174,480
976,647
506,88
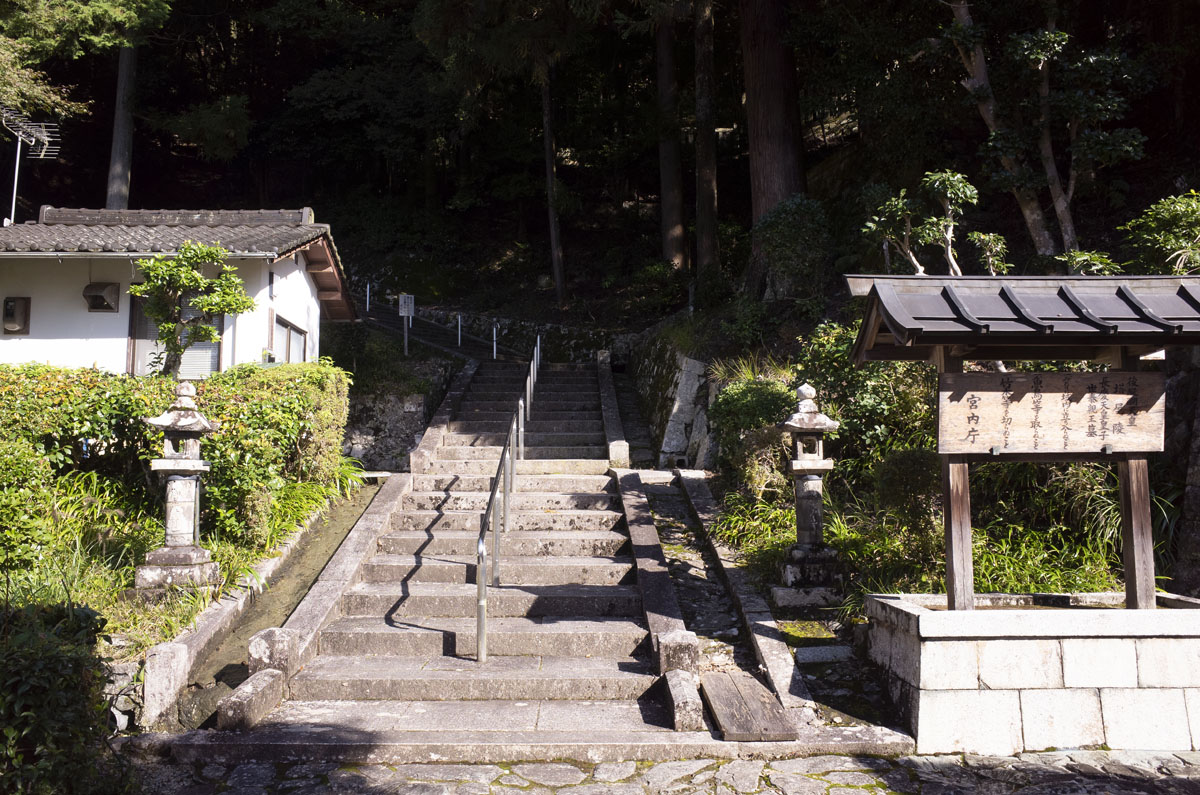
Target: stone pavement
1059,773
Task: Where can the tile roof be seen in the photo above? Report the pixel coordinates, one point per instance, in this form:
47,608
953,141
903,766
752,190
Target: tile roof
1034,315
141,233
271,233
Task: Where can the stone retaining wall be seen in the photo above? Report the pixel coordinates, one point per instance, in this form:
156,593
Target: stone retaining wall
679,394
1012,680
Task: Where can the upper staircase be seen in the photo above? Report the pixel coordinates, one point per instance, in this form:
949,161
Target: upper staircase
571,667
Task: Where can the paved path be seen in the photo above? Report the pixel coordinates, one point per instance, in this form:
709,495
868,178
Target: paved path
1084,772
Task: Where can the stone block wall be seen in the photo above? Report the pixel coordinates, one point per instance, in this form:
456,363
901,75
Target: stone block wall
678,394
1006,681
382,427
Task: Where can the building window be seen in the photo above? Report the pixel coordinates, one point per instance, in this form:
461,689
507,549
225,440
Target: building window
16,315
200,360
102,296
288,342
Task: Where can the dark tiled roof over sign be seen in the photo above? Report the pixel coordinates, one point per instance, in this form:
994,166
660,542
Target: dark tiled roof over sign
1030,317
243,233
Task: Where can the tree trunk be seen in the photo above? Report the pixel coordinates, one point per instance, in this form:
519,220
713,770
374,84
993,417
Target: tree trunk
707,254
769,74
670,168
979,85
121,154
769,71
556,255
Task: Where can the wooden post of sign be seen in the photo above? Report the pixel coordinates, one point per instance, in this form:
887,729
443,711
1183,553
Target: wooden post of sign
956,508
956,515
1136,537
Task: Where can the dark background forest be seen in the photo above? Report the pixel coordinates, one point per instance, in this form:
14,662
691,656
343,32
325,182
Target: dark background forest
420,131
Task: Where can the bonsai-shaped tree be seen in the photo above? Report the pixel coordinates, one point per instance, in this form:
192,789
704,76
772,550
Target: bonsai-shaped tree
173,283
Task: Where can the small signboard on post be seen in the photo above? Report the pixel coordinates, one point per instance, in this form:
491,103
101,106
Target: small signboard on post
406,307
1060,413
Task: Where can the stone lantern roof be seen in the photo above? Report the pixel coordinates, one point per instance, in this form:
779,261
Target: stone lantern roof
808,418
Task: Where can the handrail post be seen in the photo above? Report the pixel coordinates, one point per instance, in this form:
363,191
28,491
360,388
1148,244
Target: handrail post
493,340
496,528
521,429
460,329
481,600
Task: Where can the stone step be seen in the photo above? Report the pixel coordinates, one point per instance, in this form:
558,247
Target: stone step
438,599
492,452
532,426
572,543
470,403
413,636
437,521
531,439
456,679
514,569
521,501
570,483
569,418
549,466
478,732
549,386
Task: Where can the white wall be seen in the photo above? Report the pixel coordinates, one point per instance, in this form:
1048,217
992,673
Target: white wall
61,329
64,333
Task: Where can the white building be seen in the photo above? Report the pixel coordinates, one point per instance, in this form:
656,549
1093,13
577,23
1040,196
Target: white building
64,283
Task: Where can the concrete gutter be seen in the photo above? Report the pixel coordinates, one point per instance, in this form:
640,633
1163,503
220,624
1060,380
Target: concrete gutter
772,651
614,431
426,452
169,666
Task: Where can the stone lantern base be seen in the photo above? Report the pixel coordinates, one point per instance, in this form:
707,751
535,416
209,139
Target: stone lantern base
188,568
812,576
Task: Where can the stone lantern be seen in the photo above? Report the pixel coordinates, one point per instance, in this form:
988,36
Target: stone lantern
812,568
181,563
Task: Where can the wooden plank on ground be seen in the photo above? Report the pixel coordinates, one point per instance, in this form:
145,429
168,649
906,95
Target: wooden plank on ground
744,709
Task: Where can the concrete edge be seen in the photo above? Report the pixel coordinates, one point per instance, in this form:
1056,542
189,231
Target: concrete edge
321,603
676,647
426,451
614,431
169,665
773,653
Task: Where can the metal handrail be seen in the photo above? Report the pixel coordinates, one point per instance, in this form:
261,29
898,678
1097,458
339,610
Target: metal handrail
496,515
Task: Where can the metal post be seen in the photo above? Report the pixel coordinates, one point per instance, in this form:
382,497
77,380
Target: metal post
512,471
496,540
460,329
481,603
12,218
368,296
521,429
406,339
493,340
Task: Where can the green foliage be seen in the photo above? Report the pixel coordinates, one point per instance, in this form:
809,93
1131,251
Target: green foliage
172,285
78,534
794,239
52,712
1089,263
1166,237
992,250
881,406
744,416
761,531
909,482
746,320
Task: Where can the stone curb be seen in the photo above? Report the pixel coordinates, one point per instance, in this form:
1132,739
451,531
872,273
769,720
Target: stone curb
614,432
169,669
677,648
773,653
426,451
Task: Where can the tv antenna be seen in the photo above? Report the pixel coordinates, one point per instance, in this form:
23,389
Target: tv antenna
41,138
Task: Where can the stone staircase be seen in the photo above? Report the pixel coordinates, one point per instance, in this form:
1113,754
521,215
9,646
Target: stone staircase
572,664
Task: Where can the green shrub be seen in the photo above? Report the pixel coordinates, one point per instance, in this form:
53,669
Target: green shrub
881,406
1166,237
794,240
23,466
52,711
744,415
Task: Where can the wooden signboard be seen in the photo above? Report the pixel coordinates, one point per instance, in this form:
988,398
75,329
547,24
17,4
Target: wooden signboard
1059,413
